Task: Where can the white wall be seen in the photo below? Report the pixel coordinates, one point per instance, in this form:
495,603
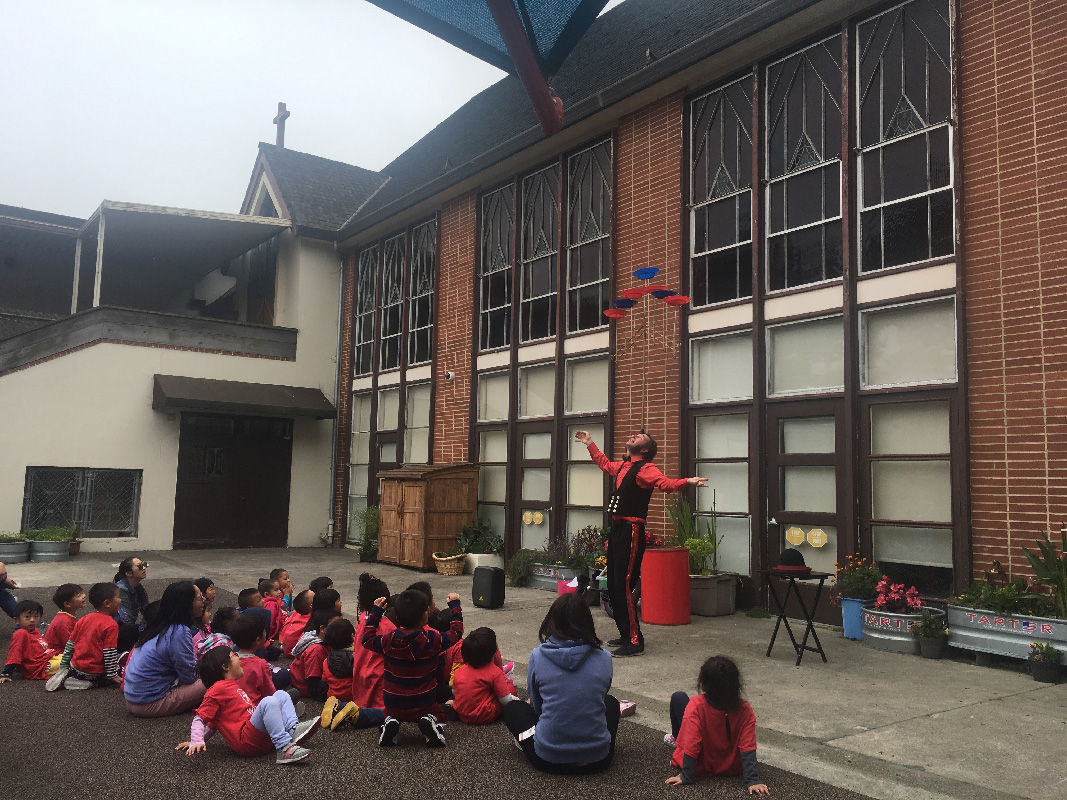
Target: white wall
93,408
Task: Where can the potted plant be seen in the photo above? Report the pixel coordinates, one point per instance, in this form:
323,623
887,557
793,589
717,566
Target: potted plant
886,621
1044,662
483,546
520,567
365,521
1050,569
51,543
14,549
712,593
853,588
932,634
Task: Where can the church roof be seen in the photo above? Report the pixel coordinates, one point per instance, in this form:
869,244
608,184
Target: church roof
318,192
610,63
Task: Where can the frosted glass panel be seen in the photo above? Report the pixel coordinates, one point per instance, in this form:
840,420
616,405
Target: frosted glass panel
585,485
912,490
537,391
355,503
576,451
809,489
733,555
388,409
387,452
537,445
417,446
493,400
906,428
497,517
535,484
493,445
361,413
493,484
578,518
535,535
361,448
807,356
587,385
820,559
722,436
914,344
808,435
721,368
728,483
418,401
927,547
358,481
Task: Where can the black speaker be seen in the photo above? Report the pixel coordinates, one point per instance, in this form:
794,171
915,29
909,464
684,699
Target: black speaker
488,589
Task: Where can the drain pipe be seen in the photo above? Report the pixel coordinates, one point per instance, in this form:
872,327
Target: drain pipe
336,393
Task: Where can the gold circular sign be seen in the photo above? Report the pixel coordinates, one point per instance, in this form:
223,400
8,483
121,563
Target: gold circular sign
538,517
527,517
817,537
794,536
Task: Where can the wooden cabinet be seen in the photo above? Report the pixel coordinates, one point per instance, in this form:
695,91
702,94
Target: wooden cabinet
422,509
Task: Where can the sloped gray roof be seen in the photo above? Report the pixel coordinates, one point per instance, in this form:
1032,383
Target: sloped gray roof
13,215
320,193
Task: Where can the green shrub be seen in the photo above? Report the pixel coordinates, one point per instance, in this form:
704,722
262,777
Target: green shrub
53,533
520,567
366,521
479,538
8,536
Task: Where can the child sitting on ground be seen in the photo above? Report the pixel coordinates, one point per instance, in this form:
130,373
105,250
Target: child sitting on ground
70,598
271,592
260,679
282,576
250,601
326,599
249,729
368,668
714,733
481,687
412,653
309,655
337,672
29,652
90,657
294,625
221,626
319,584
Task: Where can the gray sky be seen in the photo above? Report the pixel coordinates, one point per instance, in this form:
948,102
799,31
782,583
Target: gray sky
164,103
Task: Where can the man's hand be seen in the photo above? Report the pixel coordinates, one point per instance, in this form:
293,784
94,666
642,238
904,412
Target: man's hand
697,481
380,602
452,597
583,437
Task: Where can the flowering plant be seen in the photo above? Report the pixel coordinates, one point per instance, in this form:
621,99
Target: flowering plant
855,578
895,599
928,627
1044,651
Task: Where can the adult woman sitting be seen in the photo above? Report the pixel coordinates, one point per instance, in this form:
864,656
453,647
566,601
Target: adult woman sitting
130,615
160,675
568,680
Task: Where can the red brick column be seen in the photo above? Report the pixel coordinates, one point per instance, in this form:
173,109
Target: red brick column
1013,124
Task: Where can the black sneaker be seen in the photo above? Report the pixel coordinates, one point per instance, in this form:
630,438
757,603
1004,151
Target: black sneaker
433,730
390,732
616,642
629,650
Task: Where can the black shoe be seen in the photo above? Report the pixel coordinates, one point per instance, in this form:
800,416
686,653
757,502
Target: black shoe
390,733
616,642
629,650
432,730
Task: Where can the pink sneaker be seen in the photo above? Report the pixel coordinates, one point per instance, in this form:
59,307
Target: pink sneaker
668,739
509,667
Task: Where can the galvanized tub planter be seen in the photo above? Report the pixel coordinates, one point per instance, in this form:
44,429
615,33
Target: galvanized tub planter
49,551
713,595
1003,634
883,630
14,552
544,576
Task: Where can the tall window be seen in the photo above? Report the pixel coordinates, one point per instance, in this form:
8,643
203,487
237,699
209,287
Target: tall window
804,166
420,292
363,334
589,237
904,131
540,249
417,424
392,302
720,194
359,470
498,222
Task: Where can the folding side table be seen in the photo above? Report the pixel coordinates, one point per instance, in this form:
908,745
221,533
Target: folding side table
792,590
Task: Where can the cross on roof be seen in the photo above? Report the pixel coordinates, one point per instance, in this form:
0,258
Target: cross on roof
279,120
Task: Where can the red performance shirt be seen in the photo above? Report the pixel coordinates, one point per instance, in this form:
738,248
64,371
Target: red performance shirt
92,634
477,691
227,709
648,478
292,630
368,667
258,680
308,665
30,653
59,630
704,737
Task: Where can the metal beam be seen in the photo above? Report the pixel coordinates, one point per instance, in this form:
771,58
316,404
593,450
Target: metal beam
99,259
547,106
77,275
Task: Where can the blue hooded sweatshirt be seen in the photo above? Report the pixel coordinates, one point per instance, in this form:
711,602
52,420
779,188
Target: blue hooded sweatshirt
567,682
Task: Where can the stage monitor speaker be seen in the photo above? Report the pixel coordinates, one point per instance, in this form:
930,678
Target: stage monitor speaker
488,589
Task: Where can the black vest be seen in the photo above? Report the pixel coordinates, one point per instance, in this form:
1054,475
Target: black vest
629,499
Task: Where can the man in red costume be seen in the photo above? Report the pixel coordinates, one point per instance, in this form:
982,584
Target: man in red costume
635,478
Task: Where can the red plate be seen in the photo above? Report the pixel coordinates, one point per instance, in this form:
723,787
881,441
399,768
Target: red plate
615,313
634,294
677,300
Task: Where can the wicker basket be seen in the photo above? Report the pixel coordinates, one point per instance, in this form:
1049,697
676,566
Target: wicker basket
449,565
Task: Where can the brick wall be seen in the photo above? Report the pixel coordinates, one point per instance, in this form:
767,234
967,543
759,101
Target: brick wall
1013,119
455,298
344,404
648,214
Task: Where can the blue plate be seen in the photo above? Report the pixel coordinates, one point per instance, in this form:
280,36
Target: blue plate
625,302
661,293
646,273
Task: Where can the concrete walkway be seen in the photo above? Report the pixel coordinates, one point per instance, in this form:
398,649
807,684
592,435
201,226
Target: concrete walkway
884,725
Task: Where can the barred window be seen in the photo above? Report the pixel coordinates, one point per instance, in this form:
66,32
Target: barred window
101,502
905,135
540,249
498,221
589,237
392,290
420,292
804,166
720,194
366,268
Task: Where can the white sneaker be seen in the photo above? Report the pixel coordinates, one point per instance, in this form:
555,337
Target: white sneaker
76,684
668,739
292,753
56,681
432,730
390,732
305,730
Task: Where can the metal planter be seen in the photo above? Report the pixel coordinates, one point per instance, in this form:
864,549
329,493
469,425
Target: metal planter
886,631
713,595
49,551
544,576
1003,635
14,552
